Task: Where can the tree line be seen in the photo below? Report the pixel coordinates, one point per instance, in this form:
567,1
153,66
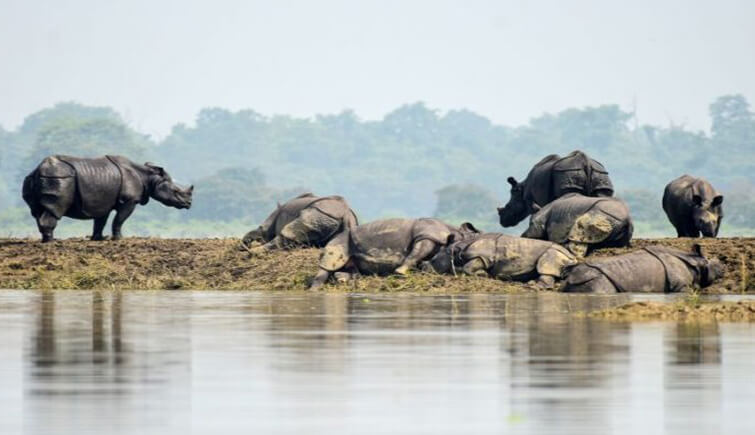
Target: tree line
416,161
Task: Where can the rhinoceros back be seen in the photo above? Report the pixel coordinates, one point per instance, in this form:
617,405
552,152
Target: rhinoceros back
638,271
98,184
380,246
577,172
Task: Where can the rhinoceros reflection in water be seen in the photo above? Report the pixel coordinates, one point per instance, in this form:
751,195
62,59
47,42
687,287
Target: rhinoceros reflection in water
505,257
84,188
386,246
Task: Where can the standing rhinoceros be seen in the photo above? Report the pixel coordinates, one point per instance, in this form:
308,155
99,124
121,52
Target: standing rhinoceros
654,269
90,188
582,223
551,178
693,206
505,257
386,246
306,220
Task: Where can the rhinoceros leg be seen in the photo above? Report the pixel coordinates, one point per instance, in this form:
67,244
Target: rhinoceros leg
577,248
46,223
475,267
122,212
552,263
589,229
420,251
99,225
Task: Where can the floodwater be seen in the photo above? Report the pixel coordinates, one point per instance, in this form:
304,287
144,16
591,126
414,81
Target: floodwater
268,363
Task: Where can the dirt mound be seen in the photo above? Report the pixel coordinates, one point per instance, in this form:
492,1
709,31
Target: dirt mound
137,263
742,311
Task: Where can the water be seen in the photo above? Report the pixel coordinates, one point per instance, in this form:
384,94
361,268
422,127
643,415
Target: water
241,362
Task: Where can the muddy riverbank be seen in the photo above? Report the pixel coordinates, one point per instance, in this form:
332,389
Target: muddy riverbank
137,263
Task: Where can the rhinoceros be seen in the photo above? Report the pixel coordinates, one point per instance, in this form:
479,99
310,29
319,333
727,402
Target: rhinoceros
655,269
693,206
91,188
551,178
306,220
386,246
504,257
582,223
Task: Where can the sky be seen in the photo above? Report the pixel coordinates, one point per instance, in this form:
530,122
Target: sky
159,62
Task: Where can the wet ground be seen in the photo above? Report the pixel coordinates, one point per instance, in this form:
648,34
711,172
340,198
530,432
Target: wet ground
79,362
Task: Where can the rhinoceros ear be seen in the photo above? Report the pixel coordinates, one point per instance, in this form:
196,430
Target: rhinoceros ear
535,207
697,249
450,239
512,181
697,200
156,169
717,200
468,227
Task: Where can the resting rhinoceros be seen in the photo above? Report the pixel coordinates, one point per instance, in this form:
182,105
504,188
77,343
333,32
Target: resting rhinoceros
693,206
582,223
505,257
90,188
306,220
654,269
386,246
551,178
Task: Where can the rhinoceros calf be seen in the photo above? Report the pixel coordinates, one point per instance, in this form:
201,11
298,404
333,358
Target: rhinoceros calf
386,246
551,178
91,188
649,270
505,257
306,220
582,223
693,206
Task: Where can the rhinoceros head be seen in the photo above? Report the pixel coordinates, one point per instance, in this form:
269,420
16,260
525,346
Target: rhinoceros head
516,209
709,270
707,215
163,189
446,259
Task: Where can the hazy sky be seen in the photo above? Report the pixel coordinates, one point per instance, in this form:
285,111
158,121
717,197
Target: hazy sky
159,62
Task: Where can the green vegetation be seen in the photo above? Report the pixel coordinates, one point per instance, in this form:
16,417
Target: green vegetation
414,162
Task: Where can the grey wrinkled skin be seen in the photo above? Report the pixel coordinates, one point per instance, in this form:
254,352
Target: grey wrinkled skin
583,223
386,246
504,257
306,220
649,270
551,178
91,188
693,206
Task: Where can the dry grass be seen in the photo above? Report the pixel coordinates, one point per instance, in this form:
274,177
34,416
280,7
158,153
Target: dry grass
688,310
137,263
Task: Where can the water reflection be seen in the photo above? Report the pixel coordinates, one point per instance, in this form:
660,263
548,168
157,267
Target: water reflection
162,362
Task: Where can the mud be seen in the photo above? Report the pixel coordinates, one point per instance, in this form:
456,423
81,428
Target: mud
742,311
136,263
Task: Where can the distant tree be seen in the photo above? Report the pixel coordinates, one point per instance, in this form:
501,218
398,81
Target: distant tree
466,202
733,126
235,193
739,204
87,138
644,205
